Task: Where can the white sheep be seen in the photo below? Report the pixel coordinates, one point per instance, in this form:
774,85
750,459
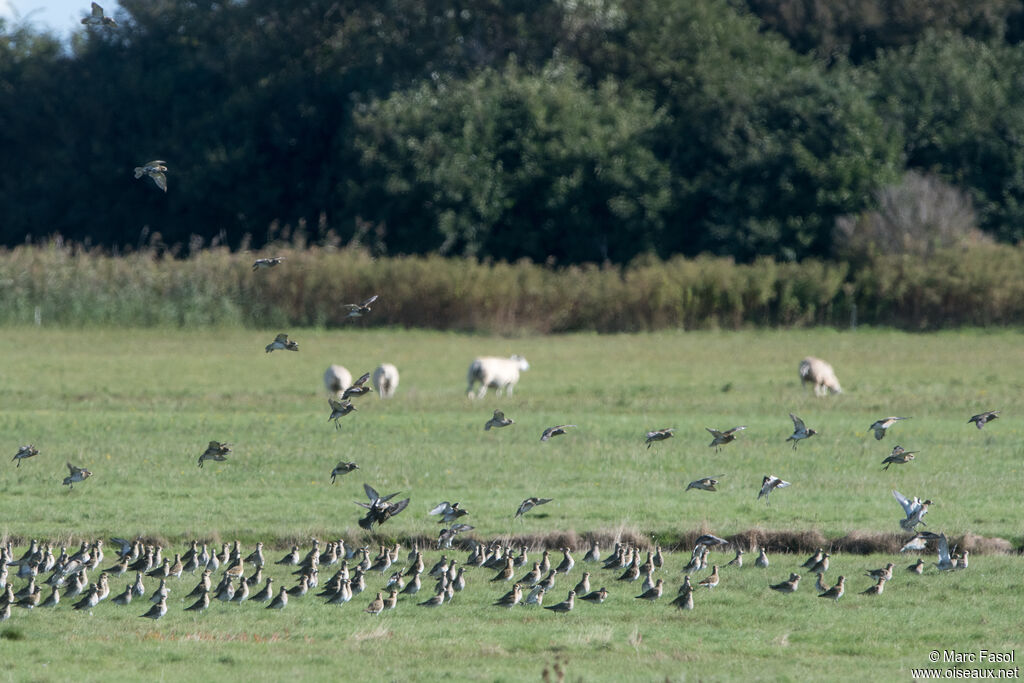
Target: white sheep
337,379
821,373
500,373
385,380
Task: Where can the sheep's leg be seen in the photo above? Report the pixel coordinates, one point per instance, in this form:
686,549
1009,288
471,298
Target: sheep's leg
483,390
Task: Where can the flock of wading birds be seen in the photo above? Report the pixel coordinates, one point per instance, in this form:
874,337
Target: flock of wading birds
68,578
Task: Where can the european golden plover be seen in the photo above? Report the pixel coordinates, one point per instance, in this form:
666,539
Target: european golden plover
800,431
704,483
216,451
566,605
343,468
98,18
877,588
265,593
376,605
567,563
379,509
267,262
201,604
282,343
880,427
658,435
945,562
154,169
529,504
554,431
449,512
653,593
736,561
157,611
358,387
124,597
339,409
883,573
813,559
762,559
982,418
594,554
769,484
917,567
76,474
596,597
720,438
498,420
836,591
788,586
712,580
25,452
899,456
435,601
511,598
360,309
821,565
280,601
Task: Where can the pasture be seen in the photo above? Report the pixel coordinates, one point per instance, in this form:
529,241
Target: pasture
137,407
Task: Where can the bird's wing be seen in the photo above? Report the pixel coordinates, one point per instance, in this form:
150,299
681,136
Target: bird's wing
441,509
541,501
714,432
351,307
398,507
362,380
368,301
798,424
160,179
97,11
908,507
780,484
943,549
735,429
371,493
282,338
462,527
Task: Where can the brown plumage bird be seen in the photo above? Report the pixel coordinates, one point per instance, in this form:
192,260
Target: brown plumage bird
720,438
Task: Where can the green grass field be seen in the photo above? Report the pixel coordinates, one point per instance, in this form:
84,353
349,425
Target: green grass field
137,407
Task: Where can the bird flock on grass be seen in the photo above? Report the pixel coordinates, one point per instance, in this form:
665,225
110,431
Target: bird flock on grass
67,576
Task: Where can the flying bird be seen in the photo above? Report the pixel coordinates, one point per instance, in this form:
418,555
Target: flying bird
76,474
358,388
343,468
24,452
360,309
339,409
529,504
981,418
880,427
800,431
215,451
719,439
449,512
379,509
554,431
915,510
154,169
658,435
769,484
899,456
98,18
498,420
919,541
446,536
281,342
267,262
704,484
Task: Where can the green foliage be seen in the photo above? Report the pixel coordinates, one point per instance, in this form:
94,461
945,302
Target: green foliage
74,286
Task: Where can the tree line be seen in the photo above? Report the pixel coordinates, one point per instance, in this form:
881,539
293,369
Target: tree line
563,131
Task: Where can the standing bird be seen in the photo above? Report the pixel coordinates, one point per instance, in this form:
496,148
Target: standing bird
76,474
836,591
158,610
498,420
880,427
216,451
154,169
917,567
789,586
280,601
719,439
800,431
567,604
769,484
343,468
376,605
529,504
704,483
281,342
24,452
899,456
267,262
511,598
554,431
98,18
360,309
658,435
980,419
379,510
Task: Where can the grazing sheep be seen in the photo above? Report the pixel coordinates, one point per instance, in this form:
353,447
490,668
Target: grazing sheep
500,373
385,380
337,379
821,374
